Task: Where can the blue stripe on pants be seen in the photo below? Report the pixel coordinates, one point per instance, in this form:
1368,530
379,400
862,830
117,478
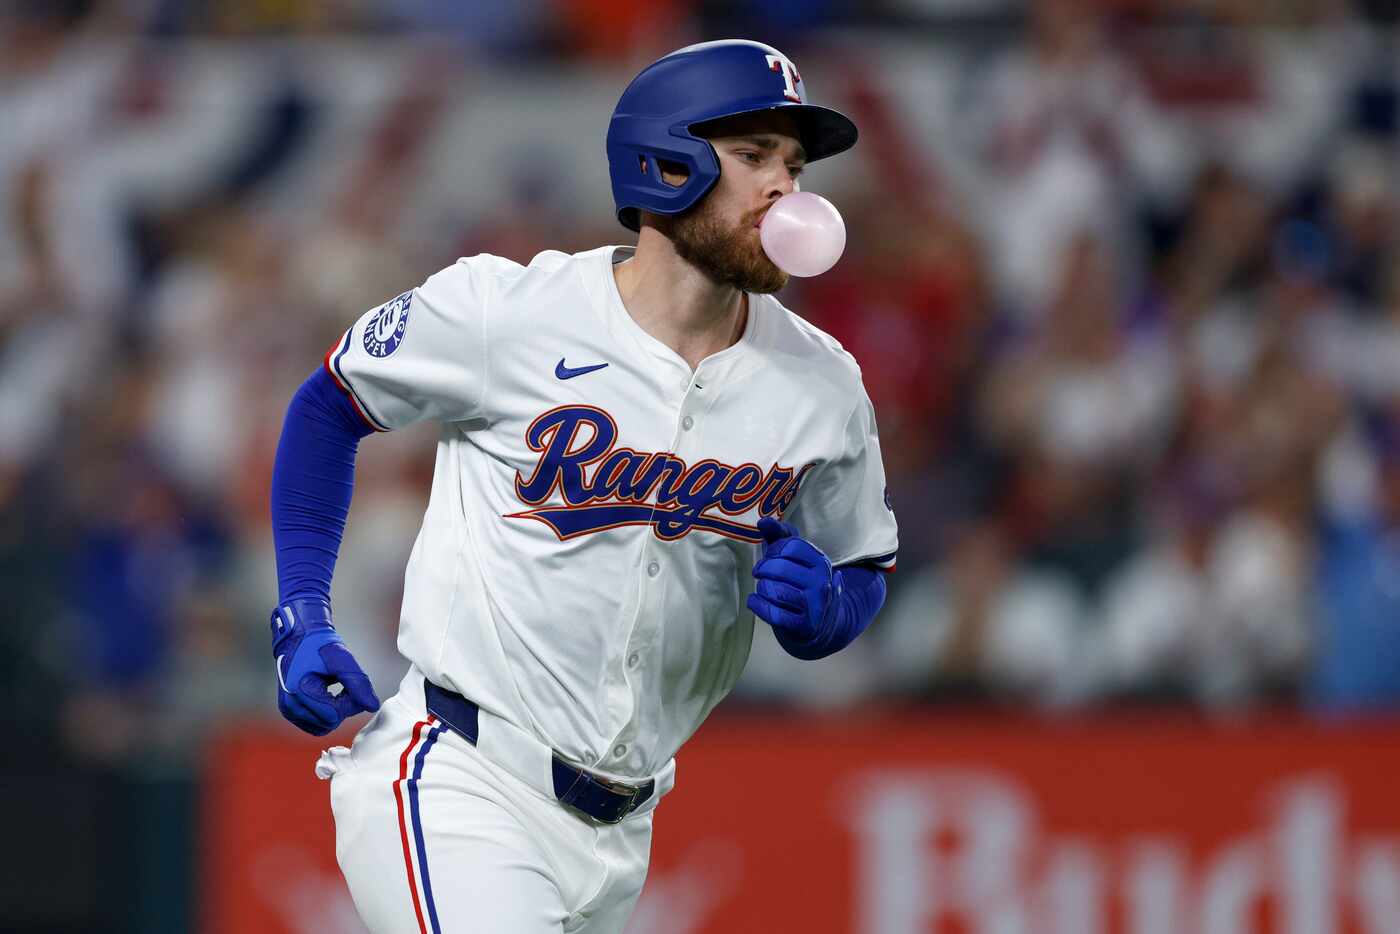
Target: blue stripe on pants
418,825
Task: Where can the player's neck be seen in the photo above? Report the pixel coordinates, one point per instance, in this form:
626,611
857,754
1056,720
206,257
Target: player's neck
678,304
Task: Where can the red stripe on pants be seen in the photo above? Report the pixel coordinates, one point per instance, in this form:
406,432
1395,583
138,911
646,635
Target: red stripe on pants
403,824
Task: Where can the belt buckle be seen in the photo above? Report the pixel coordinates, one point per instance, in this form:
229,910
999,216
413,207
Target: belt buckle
620,788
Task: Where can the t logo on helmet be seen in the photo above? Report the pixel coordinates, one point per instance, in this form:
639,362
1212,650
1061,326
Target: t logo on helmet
790,76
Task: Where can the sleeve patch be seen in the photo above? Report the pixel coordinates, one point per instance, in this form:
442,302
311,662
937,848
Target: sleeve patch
384,334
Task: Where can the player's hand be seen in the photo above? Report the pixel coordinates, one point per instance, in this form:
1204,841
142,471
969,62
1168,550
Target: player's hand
795,589
310,657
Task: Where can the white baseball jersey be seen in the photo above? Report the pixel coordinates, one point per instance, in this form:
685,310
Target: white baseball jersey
587,547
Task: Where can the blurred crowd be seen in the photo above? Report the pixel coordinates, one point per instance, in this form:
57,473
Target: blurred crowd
1124,280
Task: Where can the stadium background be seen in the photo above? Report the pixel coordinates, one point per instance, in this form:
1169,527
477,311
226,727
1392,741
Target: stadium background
1124,279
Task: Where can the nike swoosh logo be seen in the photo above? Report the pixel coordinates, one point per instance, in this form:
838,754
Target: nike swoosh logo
569,372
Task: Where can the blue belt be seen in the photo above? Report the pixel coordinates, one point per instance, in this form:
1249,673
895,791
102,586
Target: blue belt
600,798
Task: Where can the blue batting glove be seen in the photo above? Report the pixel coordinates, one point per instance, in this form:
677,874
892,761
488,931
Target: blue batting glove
310,657
796,590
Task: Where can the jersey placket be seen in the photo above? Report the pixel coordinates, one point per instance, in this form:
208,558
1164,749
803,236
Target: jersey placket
641,658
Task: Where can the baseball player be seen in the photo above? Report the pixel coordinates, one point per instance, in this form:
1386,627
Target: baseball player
641,451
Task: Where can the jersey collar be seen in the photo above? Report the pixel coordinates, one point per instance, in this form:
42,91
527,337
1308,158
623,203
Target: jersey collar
609,303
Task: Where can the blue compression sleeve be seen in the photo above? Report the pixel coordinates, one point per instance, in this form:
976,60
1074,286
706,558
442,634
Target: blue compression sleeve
312,480
860,592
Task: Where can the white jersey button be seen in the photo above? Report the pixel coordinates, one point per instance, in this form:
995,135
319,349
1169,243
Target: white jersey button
620,750
632,660
653,569
687,423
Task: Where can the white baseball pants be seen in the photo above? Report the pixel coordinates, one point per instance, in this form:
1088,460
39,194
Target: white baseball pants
435,839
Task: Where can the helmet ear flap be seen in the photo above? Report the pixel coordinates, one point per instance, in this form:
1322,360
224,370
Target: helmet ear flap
643,187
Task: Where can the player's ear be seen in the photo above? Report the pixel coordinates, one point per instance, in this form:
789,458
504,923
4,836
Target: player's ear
673,173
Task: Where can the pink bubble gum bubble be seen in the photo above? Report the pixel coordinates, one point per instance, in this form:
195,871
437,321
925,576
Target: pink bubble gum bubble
803,234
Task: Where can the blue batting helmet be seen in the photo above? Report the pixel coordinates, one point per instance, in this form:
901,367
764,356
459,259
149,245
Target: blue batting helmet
654,117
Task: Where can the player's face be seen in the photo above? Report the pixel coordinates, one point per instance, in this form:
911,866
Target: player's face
760,158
